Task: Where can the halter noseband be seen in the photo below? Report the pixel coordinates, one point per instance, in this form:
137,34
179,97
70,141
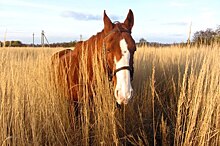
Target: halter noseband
111,73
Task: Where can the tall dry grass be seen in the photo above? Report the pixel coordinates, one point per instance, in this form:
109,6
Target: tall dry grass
176,101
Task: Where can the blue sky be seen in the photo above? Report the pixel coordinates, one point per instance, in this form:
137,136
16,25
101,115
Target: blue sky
165,21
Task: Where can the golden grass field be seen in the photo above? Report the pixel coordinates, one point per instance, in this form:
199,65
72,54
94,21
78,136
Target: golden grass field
176,101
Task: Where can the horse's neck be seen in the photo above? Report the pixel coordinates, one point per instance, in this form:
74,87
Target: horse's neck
91,47
94,43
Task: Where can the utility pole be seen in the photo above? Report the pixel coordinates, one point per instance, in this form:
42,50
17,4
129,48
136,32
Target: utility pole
5,38
33,39
42,38
80,37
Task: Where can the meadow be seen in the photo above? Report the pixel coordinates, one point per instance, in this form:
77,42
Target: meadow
176,100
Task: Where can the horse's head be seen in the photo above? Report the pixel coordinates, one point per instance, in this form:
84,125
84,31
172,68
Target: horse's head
119,50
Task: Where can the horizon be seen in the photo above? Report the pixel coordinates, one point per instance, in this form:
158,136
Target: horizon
156,21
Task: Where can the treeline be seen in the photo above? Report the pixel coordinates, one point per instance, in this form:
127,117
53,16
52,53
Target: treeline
64,44
12,44
202,37
54,45
143,42
20,44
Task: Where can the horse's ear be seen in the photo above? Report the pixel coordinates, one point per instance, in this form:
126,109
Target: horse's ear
129,21
108,25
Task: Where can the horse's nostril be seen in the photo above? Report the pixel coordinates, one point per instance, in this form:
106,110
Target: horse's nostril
118,105
132,93
117,93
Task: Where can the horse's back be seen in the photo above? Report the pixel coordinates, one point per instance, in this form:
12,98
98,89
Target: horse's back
65,65
56,56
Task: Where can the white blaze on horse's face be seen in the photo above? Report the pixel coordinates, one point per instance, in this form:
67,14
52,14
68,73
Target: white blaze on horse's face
123,89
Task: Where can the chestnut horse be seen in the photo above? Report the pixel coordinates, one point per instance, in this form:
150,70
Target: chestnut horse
116,42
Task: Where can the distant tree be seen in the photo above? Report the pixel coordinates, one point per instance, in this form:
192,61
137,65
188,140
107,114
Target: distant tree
142,41
204,37
7,44
13,44
16,44
207,37
217,31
